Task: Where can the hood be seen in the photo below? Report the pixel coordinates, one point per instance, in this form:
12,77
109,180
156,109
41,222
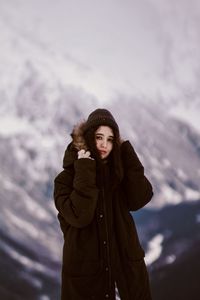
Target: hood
77,144
78,140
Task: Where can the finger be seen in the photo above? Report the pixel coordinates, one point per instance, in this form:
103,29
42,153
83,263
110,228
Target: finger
81,153
87,153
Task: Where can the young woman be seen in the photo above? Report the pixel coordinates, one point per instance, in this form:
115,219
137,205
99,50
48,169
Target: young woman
102,181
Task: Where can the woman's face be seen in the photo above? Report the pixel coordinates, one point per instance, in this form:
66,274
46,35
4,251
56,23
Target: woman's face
104,141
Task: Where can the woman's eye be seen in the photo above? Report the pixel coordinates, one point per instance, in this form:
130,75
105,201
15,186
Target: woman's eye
98,137
110,140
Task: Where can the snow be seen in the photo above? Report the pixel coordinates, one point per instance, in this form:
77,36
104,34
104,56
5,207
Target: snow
191,194
157,174
166,163
12,125
44,297
21,155
31,279
187,113
155,161
25,261
181,174
170,259
25,226
28,263
170,195
154,249
198,218
28,204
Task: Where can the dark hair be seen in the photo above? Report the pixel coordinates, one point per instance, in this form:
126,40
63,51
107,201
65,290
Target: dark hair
114,157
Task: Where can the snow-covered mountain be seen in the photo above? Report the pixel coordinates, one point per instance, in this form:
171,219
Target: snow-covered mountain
173,249
42,95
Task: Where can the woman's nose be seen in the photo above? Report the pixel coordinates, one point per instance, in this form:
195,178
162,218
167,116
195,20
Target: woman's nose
104,144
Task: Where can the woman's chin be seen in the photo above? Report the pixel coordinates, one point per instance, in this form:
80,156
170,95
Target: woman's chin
104,157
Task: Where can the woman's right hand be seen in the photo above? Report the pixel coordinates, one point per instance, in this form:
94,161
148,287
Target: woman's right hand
84,154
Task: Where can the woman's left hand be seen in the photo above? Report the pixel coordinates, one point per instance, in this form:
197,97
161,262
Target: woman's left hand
84,154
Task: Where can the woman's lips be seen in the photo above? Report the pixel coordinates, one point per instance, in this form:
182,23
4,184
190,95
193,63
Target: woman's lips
102,152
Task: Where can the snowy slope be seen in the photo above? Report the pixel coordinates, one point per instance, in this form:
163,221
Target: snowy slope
173,249
179,76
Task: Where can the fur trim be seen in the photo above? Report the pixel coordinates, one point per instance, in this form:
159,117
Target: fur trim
78,140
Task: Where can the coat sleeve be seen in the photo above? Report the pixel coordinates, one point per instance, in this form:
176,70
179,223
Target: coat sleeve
137,188
75,193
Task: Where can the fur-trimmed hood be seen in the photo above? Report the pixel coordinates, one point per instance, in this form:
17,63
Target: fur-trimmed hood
77,143
78,140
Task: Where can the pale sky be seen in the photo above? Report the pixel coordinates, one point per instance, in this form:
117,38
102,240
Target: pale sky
125,46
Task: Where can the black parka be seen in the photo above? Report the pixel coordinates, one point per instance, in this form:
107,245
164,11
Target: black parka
101,244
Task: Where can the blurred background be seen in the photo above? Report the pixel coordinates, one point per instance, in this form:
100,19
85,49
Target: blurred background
59,60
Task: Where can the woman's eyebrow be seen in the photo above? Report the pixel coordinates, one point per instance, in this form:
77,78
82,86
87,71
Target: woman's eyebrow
110,136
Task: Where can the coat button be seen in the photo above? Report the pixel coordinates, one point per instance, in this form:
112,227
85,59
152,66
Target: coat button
104,242
107,296
101,216
106,269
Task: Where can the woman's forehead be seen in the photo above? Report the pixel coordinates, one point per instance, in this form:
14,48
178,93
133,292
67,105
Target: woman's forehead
105,130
